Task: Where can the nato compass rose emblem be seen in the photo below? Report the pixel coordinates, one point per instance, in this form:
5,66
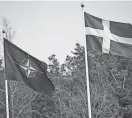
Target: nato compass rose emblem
28,68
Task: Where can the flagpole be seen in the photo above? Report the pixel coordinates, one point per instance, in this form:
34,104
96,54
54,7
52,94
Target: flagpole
6,83
7,100
86,66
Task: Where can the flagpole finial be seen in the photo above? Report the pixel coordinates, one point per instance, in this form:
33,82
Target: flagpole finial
4,34
82,5
3,31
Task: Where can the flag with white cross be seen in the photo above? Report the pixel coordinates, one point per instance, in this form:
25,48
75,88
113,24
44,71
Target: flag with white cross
108,36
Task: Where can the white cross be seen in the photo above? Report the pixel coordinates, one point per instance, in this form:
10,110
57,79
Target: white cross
107,36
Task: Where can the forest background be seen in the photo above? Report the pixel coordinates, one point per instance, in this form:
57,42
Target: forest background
110,87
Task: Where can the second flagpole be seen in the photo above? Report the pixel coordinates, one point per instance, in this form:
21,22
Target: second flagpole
86,64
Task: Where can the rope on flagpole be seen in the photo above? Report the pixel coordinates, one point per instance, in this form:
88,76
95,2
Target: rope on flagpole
6,82
86,64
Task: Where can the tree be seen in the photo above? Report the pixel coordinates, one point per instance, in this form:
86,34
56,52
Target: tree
110,85
7,29
71,96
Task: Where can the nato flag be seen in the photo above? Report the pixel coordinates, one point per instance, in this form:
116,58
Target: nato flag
21,66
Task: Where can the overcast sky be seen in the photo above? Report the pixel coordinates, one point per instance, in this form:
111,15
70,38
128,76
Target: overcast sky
45,28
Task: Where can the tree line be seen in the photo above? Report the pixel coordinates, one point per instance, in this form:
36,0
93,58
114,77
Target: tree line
110,88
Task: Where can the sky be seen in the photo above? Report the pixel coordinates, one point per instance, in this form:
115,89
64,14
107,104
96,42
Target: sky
50,27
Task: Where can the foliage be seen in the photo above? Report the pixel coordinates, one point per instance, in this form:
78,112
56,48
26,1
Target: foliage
110,87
